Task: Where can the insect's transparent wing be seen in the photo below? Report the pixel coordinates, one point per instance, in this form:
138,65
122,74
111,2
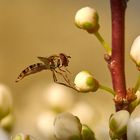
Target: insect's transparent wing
31,70
43,59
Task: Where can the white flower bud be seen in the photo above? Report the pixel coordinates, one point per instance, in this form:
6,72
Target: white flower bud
136,102
87,18
85,82
135,51
87,133
67,127
54,97
5,101
133,129
118,123
45,125
22,137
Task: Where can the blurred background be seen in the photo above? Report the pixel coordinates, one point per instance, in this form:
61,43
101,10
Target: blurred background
31,28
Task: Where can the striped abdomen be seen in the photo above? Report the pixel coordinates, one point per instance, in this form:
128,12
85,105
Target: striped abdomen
31,70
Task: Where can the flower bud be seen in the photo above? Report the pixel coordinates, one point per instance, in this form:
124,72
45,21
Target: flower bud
136,102
118,123
85,82
135,51
133,129
87,133
87,18
67,127
5,101
22,137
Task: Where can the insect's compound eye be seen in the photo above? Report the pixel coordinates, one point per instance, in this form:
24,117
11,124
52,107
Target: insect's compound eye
64,59
61,55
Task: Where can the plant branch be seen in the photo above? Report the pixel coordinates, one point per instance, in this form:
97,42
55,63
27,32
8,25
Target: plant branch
116,64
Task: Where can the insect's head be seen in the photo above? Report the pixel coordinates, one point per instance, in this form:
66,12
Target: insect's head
64,58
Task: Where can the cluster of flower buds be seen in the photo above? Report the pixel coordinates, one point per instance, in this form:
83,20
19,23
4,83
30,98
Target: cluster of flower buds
68,126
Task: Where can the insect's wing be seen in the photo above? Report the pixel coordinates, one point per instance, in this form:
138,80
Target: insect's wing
45,60
31,70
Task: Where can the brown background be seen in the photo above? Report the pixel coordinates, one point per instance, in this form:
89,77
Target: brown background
31,28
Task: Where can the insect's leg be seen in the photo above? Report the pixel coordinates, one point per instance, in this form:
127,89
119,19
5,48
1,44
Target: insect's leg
67,85
66,70
54,76
61,69
65,77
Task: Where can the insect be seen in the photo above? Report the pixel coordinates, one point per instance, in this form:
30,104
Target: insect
56,63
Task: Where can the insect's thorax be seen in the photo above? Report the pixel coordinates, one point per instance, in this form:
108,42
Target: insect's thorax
55,63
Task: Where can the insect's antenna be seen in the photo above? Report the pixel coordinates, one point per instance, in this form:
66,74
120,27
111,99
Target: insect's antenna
31,70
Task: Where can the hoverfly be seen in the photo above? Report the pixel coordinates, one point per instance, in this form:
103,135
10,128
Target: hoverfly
56,63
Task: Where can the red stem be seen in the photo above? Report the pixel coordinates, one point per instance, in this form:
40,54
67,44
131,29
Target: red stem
116,64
